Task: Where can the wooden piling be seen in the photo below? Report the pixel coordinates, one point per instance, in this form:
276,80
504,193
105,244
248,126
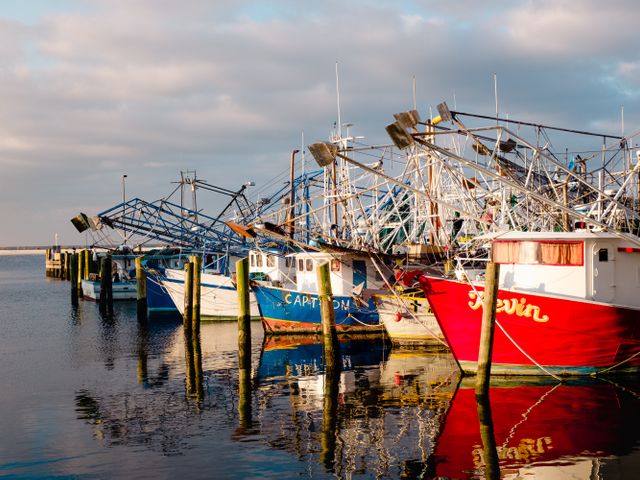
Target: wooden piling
492,277
141,289
187,327
489,448
80,271
187,315
73,272
87,264
65,266
244,343
196,260
330,408
244,313
197,364
329,334
106,286
103,282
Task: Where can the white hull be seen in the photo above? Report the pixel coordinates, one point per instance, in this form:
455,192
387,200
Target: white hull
218,295
121,290
408,320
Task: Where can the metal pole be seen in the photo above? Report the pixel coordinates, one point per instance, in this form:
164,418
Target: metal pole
124,228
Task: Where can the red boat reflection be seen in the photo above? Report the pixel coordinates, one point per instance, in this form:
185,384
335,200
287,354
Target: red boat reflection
538,425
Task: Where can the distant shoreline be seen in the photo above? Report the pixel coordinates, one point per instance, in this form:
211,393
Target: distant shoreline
22,251
5,251
33,250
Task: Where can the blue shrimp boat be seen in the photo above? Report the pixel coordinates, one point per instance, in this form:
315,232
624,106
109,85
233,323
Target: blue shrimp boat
296,309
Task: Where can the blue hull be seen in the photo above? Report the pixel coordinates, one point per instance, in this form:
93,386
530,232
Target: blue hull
304,355
158,300
288,311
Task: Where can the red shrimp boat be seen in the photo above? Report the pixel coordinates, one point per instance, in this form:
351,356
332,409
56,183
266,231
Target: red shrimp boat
568,304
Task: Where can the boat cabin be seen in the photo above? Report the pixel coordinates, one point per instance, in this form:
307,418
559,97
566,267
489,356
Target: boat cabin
349,273
271,266
598,266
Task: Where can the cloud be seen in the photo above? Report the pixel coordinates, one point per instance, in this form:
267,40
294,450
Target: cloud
150,87
567,28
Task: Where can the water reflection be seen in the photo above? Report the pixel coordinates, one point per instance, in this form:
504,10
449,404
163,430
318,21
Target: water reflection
378,415
388,413
538,428
188,387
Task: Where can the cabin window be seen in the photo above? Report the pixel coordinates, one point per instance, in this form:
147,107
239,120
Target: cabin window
288,262
335,265
300,265
309,265
271,261
603,255
252,259
546,252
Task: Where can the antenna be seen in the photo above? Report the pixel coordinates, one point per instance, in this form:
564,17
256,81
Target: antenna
495,90
338,99
414,93
302,150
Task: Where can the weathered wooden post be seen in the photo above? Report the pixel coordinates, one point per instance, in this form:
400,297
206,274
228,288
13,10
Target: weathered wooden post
103,284
244,313
491,281
489,450
330,412
73,272
329,334
196,260
141,289
65,266
244,343
187,326
87,264
106,285
187,314
332,366
110,286
80,272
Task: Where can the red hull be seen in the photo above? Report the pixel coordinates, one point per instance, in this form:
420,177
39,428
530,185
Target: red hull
565,336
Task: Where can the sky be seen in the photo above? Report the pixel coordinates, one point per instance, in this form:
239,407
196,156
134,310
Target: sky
92,90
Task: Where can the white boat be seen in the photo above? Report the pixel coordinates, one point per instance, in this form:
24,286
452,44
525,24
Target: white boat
121,290
123,282
218,295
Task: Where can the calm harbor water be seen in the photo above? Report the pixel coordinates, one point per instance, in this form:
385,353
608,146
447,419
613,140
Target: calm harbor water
84,395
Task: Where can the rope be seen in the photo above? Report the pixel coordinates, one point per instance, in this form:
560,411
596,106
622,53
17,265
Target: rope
624,389
350,315
525,415
616,365
515,344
